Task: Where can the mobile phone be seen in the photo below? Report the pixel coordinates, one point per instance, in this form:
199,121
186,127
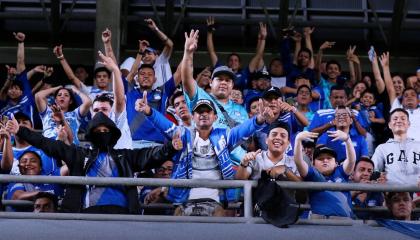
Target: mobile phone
375,175
371,53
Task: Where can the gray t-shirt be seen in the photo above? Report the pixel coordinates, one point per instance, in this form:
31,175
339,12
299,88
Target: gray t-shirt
262,162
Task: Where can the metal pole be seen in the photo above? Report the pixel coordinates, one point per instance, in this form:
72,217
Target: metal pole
248,200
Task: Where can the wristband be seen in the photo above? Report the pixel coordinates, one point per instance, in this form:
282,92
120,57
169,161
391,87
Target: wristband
211,28
20,41
243,165
60,57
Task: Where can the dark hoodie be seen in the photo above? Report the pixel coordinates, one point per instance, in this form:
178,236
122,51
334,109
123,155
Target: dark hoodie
79,160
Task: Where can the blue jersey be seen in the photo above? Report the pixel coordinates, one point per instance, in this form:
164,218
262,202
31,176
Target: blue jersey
359,144
140,127
325,116
26,103
329,203
364,112
48,164
55,189
104,166
73,118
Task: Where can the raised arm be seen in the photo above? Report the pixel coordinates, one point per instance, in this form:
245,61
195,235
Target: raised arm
297,37
210,45
380,84
169,45
41,98
7,156
255,62
86,101
38,69
187,66
106,39
20,61
58,52
143,44
384,59
301,165
349,55
117,83
318,61
307,33
348,164
64,132
11,76
53,148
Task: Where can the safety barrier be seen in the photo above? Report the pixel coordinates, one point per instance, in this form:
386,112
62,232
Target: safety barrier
245,184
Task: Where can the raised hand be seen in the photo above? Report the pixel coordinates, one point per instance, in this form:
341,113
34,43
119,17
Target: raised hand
305,135
338,135
107,62
308,31
49,72
4,134
40,69
19,36
57,114
297,37
142,105
265,114
12,126
11,72
106,36
151,24
177,141
210,21
249,157
58,51
61,133
143,44
326,45
384,59
263,31
191,41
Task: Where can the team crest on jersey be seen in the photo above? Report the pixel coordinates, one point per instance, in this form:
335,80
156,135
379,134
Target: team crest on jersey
222,142
204,149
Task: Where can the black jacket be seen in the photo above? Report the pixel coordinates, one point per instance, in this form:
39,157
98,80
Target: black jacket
79,160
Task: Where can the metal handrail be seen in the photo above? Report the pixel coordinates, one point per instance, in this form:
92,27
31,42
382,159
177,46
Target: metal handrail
246,184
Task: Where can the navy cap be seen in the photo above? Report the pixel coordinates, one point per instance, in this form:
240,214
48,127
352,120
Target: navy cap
204,102
262,75
223,70
272,91
324,149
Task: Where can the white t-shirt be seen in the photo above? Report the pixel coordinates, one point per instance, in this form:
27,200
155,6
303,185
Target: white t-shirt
162,70
278,82
92,91
414,129
262,162
204,166
125,141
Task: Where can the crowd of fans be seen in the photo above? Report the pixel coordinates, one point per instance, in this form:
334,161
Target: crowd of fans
296,118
